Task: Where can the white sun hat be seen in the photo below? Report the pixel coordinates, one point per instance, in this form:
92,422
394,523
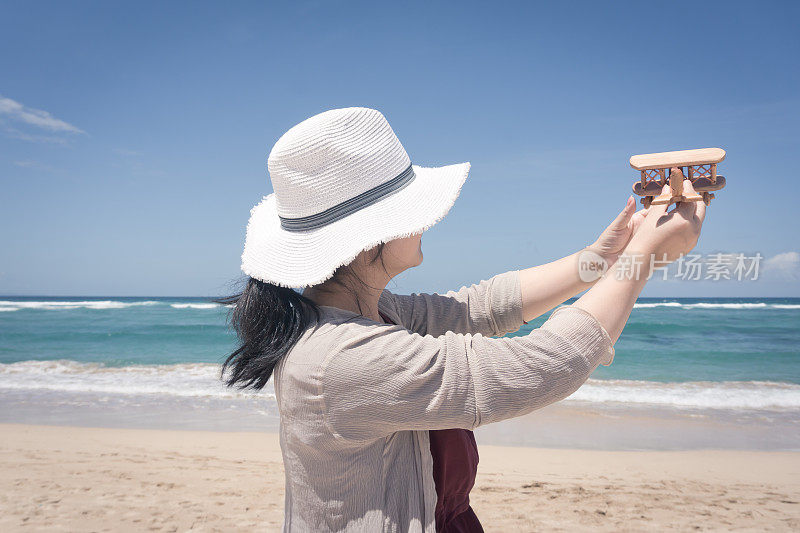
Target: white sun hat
342,184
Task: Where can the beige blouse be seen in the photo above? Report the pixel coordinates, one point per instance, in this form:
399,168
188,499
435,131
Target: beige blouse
356,397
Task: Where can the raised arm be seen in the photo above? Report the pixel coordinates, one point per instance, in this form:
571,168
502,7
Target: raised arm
662,235
504,302
491,307
546,286
383,378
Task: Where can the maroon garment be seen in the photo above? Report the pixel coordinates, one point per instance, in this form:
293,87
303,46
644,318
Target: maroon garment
455,465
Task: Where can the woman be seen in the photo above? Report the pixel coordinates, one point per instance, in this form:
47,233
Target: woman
378,392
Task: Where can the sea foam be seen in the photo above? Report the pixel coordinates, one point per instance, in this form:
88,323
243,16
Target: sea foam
87,304
187,380
15,305
203,380
714,305
756,395
54,305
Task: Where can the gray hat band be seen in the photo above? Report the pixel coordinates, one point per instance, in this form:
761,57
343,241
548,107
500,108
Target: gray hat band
350,206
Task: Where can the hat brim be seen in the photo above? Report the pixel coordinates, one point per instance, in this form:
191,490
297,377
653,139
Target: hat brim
299,259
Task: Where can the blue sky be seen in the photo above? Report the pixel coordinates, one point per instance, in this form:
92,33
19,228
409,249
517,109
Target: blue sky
134,136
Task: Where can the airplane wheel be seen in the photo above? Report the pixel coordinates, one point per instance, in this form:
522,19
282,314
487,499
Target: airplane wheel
646,201
706,198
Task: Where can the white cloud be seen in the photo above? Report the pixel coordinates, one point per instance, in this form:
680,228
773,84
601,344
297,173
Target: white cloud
35,117
16,134
783,266
126,152
33,165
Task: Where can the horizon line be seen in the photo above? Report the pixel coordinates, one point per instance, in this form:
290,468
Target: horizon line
214,297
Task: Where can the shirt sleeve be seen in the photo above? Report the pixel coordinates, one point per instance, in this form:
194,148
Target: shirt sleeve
491,307
385,378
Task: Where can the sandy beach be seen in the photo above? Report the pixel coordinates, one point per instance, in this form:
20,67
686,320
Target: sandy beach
90,479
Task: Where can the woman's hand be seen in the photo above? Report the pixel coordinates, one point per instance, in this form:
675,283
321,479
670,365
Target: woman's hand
546,286
669,235
618,234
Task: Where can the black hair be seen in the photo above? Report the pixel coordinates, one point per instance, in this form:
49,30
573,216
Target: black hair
268,320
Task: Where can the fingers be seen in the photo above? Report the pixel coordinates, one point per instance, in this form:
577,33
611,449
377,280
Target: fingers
637,218
699,207
660,209
691,209
628,210
625,215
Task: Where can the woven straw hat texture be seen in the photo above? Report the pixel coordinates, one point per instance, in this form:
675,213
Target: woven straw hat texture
323,164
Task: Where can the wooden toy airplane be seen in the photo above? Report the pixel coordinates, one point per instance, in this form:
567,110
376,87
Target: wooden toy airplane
702,172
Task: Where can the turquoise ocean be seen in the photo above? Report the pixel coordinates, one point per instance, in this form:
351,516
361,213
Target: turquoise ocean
123,361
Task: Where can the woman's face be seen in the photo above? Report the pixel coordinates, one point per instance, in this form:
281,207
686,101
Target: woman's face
403,253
